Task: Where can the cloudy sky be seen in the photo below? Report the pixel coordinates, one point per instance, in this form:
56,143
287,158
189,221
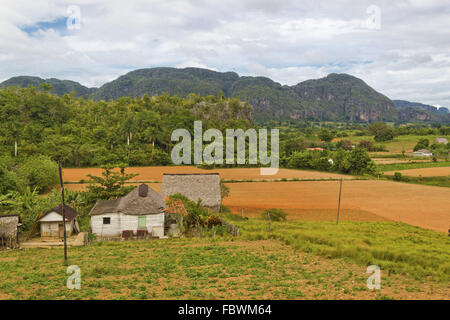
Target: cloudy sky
401,48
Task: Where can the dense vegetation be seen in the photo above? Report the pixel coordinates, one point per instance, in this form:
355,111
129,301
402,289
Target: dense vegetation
81,132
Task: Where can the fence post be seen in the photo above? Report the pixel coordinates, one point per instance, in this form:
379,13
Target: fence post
339,201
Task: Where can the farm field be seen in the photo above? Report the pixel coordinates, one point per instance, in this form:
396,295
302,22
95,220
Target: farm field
397,160
155,173
424,206
200,269
424,172
364,200
399,143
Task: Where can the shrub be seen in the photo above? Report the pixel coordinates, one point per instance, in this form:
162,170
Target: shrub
274,214
345,144
398,176
325,135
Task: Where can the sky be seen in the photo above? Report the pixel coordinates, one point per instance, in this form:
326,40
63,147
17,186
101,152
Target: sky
401,48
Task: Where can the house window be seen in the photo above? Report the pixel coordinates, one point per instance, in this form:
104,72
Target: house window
107,220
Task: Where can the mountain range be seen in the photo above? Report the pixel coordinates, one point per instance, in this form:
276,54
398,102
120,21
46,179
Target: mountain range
336,97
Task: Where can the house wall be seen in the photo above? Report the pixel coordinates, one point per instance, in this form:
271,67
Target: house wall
50,225
51,228
8,227
121,222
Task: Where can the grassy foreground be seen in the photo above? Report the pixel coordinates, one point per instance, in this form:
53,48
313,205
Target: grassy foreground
316,261
395,247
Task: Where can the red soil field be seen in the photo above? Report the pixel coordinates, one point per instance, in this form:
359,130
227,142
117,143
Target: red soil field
424,206
155,173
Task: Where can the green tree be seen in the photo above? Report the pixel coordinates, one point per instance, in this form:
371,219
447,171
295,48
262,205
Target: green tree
111,185
38,173
325,135
381,131
422,144
360,162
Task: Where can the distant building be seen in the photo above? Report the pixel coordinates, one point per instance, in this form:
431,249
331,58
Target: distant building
203,186
422,153
139,212
51,222
441,140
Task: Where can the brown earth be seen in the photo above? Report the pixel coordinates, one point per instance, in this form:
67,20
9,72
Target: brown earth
424,206
424,172
155,173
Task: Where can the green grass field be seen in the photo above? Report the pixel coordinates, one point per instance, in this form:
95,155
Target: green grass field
399,143
296,260
412,165
395,247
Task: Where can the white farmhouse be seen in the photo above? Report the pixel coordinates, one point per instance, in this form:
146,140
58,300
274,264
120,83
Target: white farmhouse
51,222
140,210
422,153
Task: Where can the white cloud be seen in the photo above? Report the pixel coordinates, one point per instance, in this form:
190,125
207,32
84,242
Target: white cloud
288,41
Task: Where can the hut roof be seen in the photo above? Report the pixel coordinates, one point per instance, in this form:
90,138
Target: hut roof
194,186
11,215
423,151
9,224
140,201
69,212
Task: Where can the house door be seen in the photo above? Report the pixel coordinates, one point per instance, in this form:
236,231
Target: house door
142,223
61,230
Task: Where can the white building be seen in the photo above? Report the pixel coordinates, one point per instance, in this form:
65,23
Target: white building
51,222
423,153
141,209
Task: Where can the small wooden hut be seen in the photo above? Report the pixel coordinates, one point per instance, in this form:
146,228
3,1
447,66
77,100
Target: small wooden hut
9,233
51,222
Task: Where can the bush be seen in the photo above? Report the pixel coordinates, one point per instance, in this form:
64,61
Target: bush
38,172
325,135
274,214
345,144
398,176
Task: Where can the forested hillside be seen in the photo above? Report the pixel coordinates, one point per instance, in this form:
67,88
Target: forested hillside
337,97
60,87
84,132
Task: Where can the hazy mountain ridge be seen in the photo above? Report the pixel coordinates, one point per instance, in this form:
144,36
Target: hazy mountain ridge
337,97
60,87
